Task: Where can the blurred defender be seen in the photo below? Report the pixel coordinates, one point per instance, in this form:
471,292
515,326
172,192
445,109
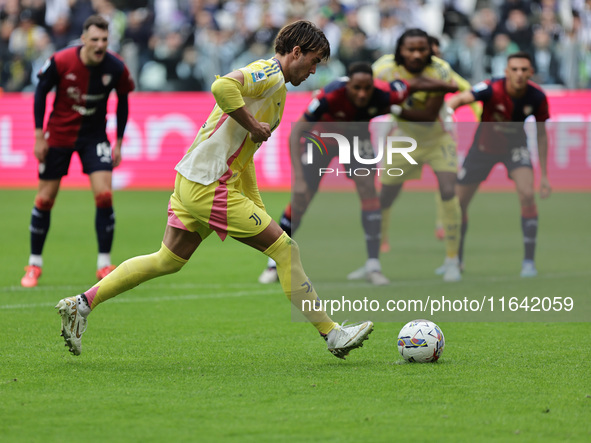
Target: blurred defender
435,146
510,99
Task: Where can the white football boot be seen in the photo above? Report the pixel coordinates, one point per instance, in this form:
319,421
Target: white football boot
372,272
343,339
528,269
268,276
452,270
73,322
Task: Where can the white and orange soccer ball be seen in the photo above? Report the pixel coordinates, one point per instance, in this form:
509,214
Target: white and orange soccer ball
421,341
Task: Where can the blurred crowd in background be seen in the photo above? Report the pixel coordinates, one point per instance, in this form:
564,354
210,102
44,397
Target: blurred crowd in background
180,45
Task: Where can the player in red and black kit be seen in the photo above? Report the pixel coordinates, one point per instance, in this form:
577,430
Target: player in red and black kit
355,100
83,77
498,140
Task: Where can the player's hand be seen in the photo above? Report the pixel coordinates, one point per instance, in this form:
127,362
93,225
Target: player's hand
41,148
453,86
262,133
116,154
545,188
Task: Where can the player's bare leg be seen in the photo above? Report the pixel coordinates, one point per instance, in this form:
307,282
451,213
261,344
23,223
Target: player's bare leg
388,195
465,193
524,185
40,220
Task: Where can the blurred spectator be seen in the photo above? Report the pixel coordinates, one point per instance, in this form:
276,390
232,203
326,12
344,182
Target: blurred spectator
518,28
501,48
354,45
545,61
23,37
117,22
185,43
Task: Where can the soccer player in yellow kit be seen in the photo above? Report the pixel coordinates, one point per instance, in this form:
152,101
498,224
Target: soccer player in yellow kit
447,115
216,191
435,146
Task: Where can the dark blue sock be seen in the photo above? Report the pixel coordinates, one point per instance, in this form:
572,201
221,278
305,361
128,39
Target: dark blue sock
372,225
529,227
104,224
285,223
39,228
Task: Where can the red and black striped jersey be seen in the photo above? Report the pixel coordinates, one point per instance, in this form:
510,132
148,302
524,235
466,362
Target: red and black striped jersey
81,95
503,115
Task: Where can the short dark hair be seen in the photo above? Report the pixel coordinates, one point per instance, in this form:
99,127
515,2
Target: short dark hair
95,20
413,32
356,67
304,34
520,54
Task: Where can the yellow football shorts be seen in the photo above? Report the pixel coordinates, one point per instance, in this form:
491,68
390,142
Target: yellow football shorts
439,153
218,207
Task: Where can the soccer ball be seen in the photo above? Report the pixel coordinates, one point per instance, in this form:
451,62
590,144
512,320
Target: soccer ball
421,341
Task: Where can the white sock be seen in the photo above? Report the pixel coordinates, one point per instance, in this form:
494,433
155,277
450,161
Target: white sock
104,259
83,307
35,260
373,265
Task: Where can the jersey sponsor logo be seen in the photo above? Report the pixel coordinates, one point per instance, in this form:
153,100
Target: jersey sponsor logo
106,79
501,107
258,76
528,109
74,93
71,76
478,87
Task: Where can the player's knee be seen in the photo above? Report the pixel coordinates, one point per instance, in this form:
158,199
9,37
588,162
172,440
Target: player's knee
44,204
104,199
527,197
447,192
168,262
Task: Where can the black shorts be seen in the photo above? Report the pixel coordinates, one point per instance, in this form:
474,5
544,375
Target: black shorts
477,164
94,156
313,172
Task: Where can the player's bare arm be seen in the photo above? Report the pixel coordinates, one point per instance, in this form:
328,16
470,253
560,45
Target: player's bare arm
545,188
116,153
461,99
429,114
41,146
430,84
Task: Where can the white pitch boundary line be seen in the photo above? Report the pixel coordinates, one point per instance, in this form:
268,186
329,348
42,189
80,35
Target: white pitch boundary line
432,281
157,299
326,286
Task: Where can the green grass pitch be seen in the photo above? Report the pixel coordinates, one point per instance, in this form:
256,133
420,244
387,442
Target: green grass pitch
208,354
